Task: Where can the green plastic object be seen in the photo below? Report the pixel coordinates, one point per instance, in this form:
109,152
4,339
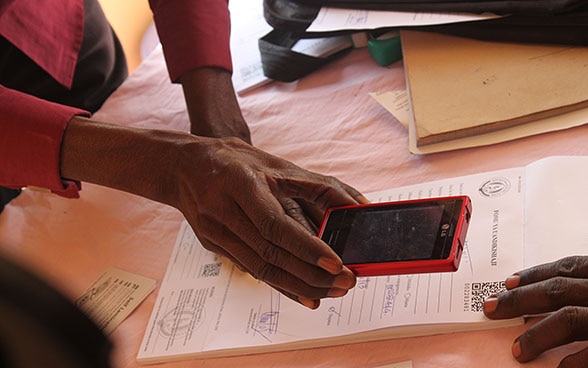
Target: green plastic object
385,49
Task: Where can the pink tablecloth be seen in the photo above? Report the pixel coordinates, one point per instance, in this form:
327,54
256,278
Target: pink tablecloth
326,123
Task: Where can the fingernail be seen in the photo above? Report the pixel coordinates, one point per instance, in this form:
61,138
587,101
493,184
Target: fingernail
330,265
309,303
516,349
362,199
335,292
512,281
490,305
343,282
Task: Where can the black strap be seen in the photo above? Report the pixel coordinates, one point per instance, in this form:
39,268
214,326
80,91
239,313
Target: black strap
281,63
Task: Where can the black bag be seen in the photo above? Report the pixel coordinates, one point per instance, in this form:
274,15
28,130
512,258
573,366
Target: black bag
531,21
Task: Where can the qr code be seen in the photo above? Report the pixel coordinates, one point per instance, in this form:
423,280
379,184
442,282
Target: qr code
482,290
211,269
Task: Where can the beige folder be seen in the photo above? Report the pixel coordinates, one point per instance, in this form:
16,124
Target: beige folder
460,87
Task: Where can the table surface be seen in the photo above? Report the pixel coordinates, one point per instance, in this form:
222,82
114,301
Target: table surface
325,122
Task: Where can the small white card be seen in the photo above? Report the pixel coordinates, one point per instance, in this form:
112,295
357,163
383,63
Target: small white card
113,296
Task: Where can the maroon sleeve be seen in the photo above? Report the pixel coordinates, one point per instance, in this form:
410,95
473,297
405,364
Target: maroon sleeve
31,132
5,4
193,33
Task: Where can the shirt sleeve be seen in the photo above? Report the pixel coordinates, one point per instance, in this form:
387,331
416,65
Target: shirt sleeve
193,34
31,132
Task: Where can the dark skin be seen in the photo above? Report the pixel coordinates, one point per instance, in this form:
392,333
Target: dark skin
252,207
559,288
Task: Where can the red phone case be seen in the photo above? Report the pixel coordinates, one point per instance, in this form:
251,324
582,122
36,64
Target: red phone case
449,264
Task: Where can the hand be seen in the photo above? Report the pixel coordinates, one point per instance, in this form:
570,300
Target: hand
235,202
232,194
214,112
560,287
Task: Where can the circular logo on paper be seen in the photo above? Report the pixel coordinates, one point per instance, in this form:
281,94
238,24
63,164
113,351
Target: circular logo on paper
178,323
495,187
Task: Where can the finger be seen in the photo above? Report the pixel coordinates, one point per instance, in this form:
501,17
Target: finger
315,202
322,191
309,303
316,214
220,251
540,297
275,266
577,360
297,212
567,325
573,266
312,213
273,225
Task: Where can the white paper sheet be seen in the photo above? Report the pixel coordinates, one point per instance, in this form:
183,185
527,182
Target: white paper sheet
556,208
207,307
334,19
247,26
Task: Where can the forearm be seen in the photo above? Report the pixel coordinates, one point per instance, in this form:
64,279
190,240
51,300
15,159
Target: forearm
229,192
212,104
138,161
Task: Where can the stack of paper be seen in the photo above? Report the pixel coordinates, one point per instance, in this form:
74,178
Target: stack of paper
206,307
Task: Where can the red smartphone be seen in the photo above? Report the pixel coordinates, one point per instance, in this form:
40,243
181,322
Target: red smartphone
404,237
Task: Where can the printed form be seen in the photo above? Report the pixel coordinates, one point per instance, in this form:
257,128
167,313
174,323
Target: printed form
207,307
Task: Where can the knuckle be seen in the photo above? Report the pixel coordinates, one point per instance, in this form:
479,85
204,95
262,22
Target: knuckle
271,270
571,265
320,194
274,256
271,229
571,318
290,206
269,226
508,299
265,272
331,181
556,291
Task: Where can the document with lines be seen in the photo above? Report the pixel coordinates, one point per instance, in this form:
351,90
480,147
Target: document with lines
206,307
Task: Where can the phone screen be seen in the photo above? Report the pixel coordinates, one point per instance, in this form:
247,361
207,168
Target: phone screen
392,233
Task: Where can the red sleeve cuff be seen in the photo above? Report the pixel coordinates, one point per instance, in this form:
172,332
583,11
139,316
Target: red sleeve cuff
31,132
193,34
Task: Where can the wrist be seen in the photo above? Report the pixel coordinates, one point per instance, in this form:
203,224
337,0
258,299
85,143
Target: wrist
139,161
212,104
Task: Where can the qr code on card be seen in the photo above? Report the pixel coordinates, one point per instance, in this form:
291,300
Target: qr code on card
211,269
477,292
